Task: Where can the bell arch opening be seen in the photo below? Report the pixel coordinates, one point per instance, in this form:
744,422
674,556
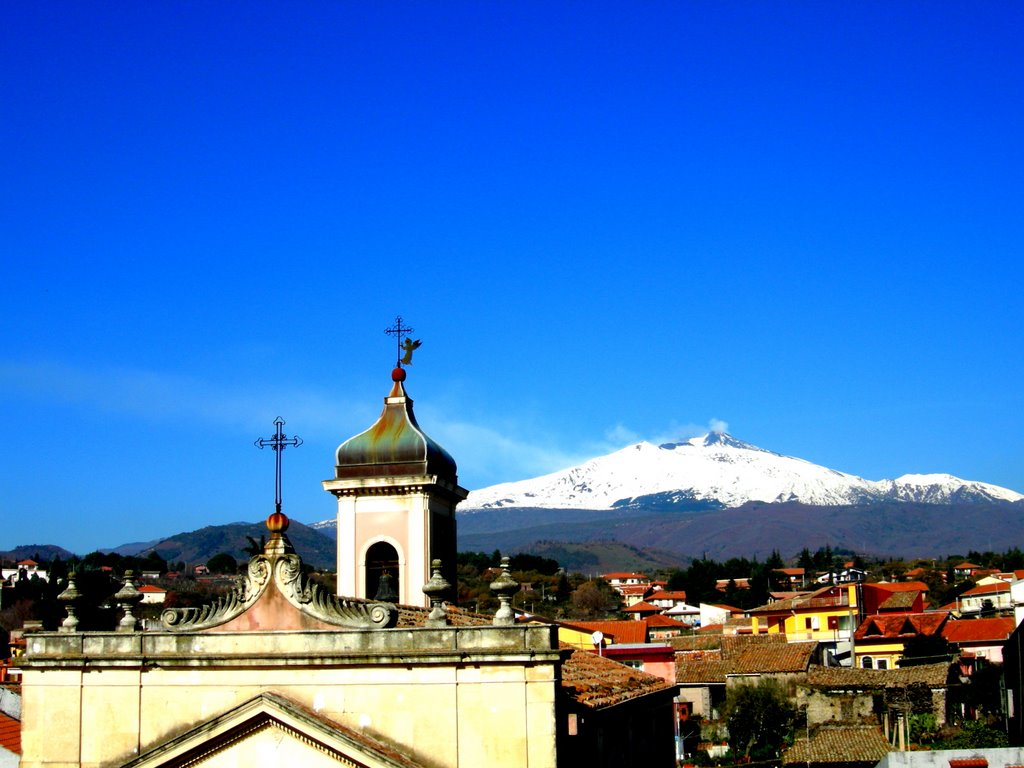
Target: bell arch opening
382,574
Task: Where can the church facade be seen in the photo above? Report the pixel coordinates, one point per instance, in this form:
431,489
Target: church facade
281,672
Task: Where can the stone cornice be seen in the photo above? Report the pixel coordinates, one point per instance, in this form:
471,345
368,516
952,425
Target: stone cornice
276,649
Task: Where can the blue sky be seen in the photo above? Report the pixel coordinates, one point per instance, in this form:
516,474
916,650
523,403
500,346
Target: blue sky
607,222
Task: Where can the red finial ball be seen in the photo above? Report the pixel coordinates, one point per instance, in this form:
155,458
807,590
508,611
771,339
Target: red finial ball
277,522
398,374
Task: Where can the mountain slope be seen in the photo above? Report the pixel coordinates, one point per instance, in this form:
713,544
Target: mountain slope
718,471
886,529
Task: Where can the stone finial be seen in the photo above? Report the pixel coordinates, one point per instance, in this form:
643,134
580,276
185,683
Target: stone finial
505,587
69,597
128,596
278,544
435,589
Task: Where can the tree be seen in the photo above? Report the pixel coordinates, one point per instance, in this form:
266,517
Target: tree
974,734
222,563
758,716
254,547
590,600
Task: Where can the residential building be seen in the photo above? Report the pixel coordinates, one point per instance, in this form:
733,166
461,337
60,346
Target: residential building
894,597
839,745
716,613
980,638
631,586
995,596
829,615
881,639
850,694
966,570
707,666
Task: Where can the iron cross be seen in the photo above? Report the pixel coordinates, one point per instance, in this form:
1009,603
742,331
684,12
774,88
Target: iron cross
398,331
278,442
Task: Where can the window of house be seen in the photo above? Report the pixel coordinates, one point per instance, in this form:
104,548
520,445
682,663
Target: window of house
882,664
867,663
807,623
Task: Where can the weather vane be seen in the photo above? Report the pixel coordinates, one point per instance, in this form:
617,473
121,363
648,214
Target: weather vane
279,441
408,346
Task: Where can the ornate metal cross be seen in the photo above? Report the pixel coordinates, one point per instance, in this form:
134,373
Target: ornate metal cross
398,331
279,441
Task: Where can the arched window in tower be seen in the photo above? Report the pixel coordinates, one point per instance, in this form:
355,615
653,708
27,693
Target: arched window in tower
382,576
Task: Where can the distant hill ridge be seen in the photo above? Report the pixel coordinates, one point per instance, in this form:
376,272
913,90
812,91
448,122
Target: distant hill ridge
194,547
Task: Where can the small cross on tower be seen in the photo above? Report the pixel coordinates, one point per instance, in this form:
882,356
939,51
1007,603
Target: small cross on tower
279,441
408,346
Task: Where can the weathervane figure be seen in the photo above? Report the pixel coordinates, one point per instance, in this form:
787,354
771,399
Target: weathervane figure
408,345
279,441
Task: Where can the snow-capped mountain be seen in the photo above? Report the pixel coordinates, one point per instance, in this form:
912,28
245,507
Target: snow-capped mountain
718,470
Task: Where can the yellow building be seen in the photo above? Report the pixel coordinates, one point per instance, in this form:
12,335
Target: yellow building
828,615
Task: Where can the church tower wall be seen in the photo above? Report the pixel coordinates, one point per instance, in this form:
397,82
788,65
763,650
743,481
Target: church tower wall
395,486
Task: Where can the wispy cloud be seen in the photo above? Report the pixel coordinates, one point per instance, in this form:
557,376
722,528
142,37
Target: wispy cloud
163,396
500,453
487,453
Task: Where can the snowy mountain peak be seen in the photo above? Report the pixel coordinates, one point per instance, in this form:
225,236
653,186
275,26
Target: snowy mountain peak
718,469
710,440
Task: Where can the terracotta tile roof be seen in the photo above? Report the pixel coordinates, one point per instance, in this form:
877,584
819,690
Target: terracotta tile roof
839,744
916,572
898,600
788,595
965,566
969,762
789,571
900,625
979,630
620,631
642,607
701,670
798,599
659,620
696,642
596,681
10,733
987,589
750,656
151,588
899,586
774,658
932,675
723,606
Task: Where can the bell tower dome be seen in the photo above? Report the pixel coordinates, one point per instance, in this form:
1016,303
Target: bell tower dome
397,491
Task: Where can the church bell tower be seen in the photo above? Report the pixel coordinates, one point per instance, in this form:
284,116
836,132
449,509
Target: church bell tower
397,491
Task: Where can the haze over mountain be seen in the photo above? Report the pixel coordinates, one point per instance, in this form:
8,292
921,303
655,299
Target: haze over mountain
717,470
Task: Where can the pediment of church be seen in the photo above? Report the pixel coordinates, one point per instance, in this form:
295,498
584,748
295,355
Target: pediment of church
272,730
274,594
